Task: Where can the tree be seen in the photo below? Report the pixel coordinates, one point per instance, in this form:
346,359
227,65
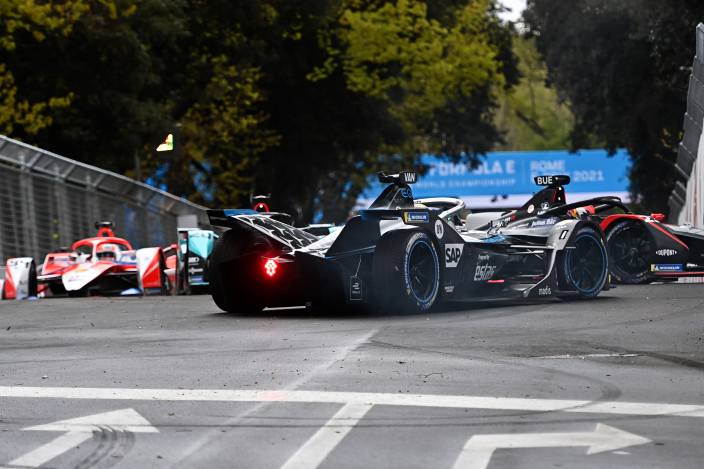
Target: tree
290,97
531,114
33,20
119,63
622,67
431,81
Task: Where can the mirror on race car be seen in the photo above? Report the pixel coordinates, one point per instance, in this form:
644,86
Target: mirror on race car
554,181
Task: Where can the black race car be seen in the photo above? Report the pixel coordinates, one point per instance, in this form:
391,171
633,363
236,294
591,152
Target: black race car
403,254
641,248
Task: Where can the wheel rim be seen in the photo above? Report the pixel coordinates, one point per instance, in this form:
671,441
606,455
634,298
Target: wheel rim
422,271
585,264
628,250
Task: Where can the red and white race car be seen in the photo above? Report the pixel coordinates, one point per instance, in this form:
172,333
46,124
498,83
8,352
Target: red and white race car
103,264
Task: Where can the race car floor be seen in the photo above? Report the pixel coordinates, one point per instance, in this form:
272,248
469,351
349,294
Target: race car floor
174,382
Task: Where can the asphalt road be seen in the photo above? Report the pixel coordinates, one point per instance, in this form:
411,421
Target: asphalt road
173,382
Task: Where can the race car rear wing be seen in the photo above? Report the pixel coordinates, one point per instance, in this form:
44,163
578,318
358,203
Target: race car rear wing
264,223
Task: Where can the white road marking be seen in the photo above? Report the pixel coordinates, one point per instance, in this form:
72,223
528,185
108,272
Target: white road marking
478,450
392,399
125,420
49,451
79,430
333,358
320,445
590,355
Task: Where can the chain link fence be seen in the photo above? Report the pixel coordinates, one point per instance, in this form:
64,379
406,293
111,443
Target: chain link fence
48,201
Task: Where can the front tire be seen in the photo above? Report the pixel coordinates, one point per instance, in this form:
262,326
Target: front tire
584,269
630,247
406,271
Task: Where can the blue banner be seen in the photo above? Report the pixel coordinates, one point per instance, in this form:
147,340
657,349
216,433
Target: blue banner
506,178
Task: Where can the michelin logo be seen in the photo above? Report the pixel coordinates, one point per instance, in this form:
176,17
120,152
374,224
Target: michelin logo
415,217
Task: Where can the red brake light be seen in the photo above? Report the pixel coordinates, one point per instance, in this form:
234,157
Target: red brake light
270,267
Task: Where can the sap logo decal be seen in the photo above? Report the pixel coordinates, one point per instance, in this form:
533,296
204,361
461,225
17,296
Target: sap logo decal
666,252
545,291
453,253
193,260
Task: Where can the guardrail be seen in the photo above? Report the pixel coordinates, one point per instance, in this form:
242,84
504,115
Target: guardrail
48,201
687,199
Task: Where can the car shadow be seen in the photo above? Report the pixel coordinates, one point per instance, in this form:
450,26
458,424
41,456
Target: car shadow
511,306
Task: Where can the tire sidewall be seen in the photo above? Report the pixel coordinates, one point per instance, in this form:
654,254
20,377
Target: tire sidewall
568,258
414,241
619,274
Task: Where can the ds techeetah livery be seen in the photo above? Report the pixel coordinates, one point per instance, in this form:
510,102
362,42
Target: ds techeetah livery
406,254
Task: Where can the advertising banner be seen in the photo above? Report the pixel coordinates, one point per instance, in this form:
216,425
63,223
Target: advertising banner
505,179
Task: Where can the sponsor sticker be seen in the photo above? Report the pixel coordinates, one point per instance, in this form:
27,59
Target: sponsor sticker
193,260
531,208
453,253
666,267
484,271
439,229
666,252
409,177
355,288
544,222
416,217
449,288
545,291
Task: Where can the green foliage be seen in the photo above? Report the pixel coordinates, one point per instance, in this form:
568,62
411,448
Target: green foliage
622,66
531,115
300,99
36,19
398,54
223,133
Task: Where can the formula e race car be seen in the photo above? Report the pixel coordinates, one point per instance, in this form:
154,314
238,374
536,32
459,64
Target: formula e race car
641,248
403,254
104,264
193,259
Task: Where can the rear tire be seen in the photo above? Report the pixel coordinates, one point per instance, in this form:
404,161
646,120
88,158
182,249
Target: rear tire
584,269
406,271
629,246
228,285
